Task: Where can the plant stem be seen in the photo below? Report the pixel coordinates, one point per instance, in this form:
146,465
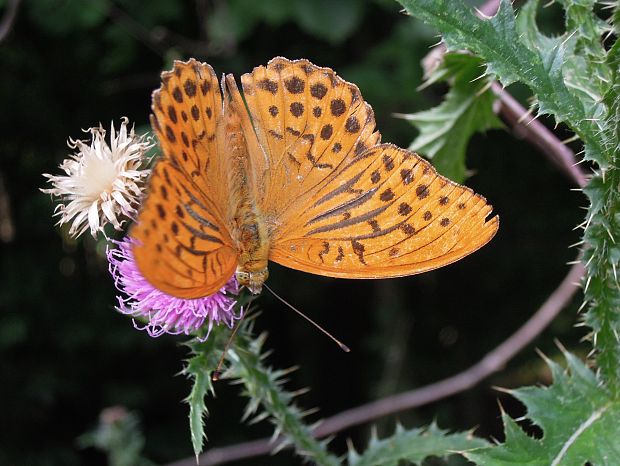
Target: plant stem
263,385
539,136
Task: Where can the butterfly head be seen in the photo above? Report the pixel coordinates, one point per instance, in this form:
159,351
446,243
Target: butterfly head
252,280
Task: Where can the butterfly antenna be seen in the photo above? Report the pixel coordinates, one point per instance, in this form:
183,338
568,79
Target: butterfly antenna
343,347
217,373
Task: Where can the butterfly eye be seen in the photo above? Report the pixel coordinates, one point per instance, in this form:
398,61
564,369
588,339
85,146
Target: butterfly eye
253,280
243,278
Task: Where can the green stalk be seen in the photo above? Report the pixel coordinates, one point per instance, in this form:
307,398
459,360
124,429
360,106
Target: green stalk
263,386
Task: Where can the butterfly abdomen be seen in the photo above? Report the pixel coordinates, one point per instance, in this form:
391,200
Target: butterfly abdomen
249,229
252,243
253,249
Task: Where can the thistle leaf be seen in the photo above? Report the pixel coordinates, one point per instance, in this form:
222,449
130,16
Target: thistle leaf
413,446
498,42
198,409
468,108
602,233
574,78
578,416
199,366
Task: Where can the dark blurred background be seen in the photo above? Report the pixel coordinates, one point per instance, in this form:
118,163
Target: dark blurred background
65,354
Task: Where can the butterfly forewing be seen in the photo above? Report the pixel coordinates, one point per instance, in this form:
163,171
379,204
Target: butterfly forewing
310,122
183,243
186,110
338,202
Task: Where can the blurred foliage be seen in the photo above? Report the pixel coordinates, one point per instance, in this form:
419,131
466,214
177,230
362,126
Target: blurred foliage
65,354
119,435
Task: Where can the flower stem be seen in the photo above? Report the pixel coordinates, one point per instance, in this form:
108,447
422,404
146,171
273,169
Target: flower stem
263,386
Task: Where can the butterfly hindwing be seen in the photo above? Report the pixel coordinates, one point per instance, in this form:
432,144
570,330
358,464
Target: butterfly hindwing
387,213
180,246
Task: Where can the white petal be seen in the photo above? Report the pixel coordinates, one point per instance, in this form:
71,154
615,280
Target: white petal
93,218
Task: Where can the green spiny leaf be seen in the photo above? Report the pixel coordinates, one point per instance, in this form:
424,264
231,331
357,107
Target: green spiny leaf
615,17
602,236
468,108
413,446
579,418
612,96
588,28
584,70
198,409
527,27
200,365
498,42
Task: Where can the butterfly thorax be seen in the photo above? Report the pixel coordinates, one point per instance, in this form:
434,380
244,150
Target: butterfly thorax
249,229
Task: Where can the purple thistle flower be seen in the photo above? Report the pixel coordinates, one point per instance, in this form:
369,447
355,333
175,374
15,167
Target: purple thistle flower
165,313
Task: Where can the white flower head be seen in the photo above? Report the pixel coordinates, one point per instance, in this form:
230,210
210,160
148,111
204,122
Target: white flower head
103,183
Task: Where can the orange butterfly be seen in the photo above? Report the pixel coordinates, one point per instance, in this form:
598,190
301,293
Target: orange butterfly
296,175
